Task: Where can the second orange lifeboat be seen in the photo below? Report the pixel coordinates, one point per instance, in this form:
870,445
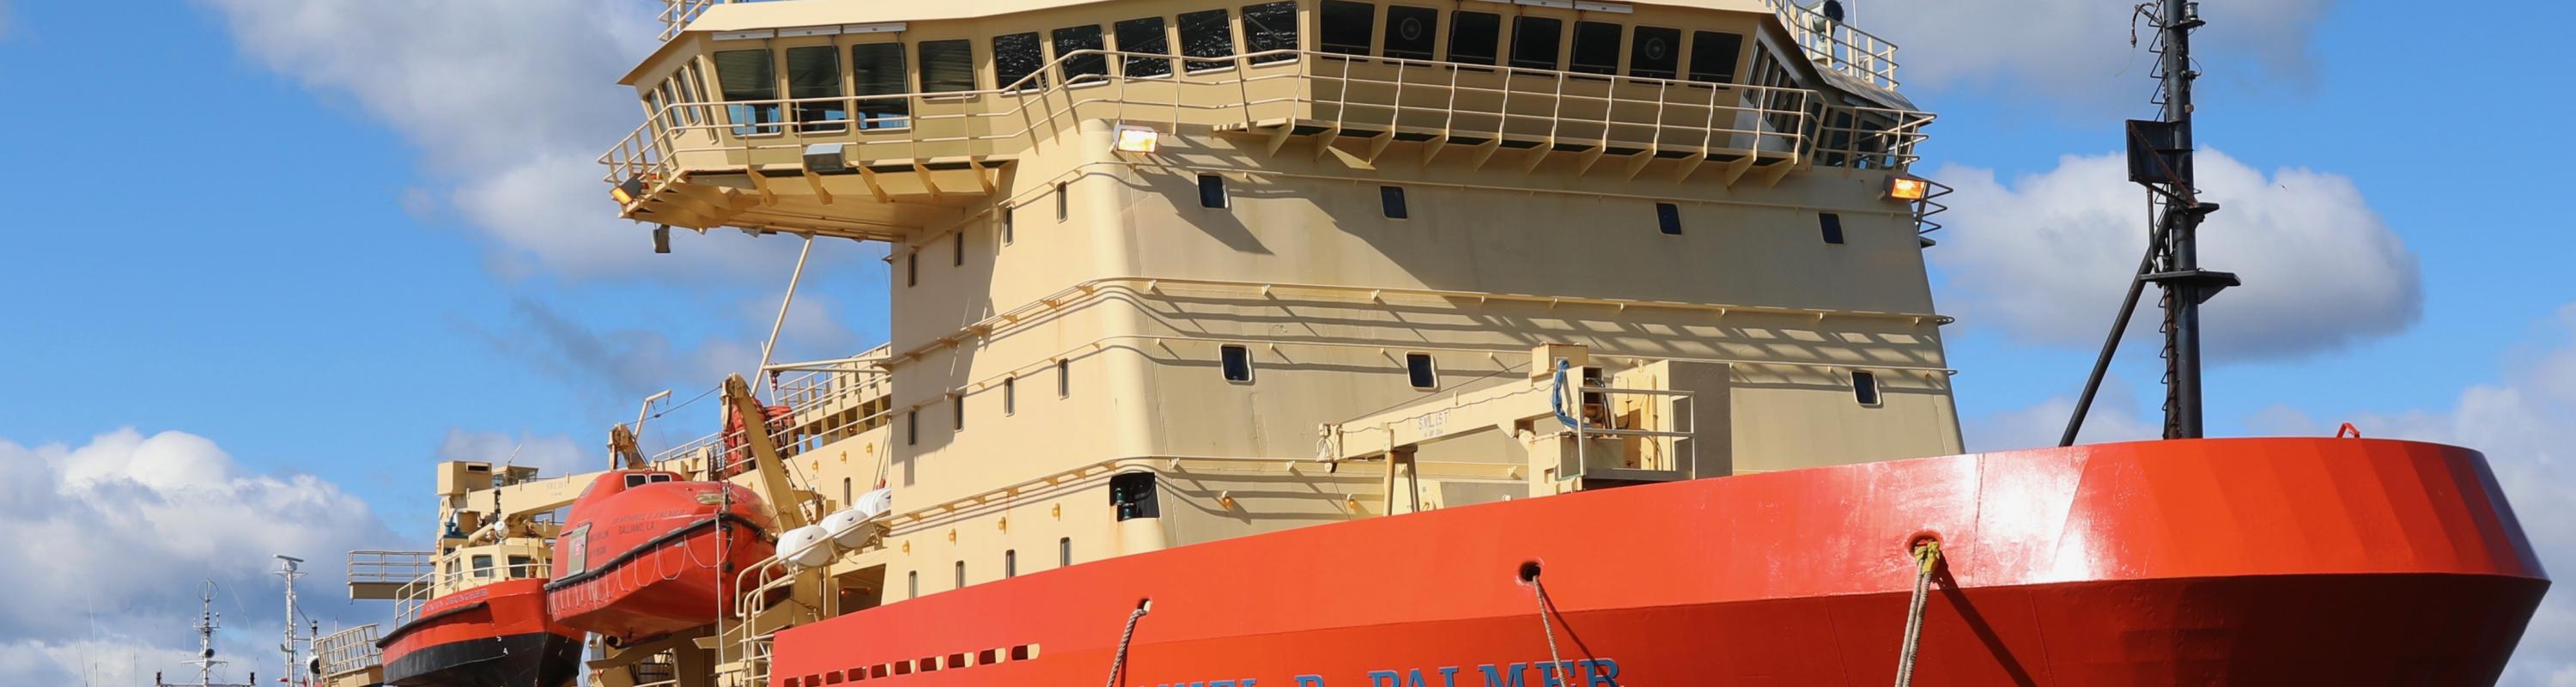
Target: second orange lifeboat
647,552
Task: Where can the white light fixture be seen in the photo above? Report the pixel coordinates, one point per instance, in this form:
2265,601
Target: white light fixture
1138,139
1902,187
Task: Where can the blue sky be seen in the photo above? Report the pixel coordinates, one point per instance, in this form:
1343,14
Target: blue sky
342,240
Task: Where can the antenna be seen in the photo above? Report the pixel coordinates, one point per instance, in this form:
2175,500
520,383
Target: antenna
286,569
207,622
2160,158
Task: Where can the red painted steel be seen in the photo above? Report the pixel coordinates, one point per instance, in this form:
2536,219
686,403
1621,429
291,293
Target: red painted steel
488,613
2228,561
655,557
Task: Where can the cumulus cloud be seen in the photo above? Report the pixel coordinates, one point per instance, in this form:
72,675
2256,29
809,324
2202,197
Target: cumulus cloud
109,541
509,102
2046,257
2113,417
2078,53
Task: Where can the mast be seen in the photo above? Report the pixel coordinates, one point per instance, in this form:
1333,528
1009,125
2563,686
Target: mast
207,622
2160,158
286,569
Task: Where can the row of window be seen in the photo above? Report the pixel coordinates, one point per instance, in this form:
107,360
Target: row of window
1010,567
925,664
1205,42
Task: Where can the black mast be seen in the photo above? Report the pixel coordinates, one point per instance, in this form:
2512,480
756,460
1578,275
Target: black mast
2160,158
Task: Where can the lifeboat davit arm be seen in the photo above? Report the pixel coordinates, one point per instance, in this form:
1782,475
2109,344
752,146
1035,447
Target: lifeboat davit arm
769,471
623,454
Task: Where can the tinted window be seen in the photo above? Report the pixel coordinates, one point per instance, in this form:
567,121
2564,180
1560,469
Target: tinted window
1391,200
815,72
1144,35
1832,224
1016,57
1474,37
911,427
1865,388
1656,53
1417,369
948,66
1063,378
1207,34
1270,26
1668,217
1713,56
1347,26
1534,41
748,75
1010,395
1411,31
1086,67
1596,48
1211,191
877,69
1237,362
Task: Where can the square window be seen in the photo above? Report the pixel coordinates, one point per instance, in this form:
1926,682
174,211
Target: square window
1410,32
947,66
815,72
748,75
878,70
1534,41
1475,37
1207,40
1669,217
1417,369
1596,48
1270,27
1713,56
1391,200
1143,36
1237,362
1865,388
1016,59
1347,26
1086,67
1832,224
1212,191
1655,53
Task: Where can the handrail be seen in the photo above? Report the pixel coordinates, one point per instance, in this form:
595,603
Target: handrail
348,651
1629,112
1837,46
676,15
419,591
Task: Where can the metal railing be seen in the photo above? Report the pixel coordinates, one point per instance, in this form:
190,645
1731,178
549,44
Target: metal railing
676,15
348,651
1374,96
390,567
1837,46
1631,415
420,591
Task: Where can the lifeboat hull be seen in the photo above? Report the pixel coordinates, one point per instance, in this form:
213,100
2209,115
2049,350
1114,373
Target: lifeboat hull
495,635
2231,562
660,557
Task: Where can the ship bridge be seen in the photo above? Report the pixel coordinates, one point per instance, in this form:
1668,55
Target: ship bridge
876,121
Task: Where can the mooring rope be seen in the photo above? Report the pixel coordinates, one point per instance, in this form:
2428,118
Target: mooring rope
1927,557
1118,665
1555,662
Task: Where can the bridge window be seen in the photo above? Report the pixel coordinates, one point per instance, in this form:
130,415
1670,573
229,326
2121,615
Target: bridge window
1832,224
1475,37
878,70
815,72
523,566
749,75
1237,362
1713,56
1016,59
482,565
1411,31
1865,388
1596,48
1347,26
1084,68
948,66
1144,36
1655,53
1391,201
1534,41
1268,27
1208,37
1418,370
1668,217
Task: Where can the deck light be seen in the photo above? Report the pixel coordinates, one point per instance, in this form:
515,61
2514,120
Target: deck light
1903,187
1138,139
627,191
827,158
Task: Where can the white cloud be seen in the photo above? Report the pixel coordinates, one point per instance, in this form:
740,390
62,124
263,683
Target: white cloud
2047,257
2113,417
551,455
2078,53
108,543
510,102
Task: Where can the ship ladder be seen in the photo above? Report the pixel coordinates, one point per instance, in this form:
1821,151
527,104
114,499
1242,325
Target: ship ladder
1118,665
1927,558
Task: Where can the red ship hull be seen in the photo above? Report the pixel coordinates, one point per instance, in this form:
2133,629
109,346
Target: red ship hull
2248,561
657,557
495,635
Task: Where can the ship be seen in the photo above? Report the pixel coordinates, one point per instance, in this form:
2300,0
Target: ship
1540,343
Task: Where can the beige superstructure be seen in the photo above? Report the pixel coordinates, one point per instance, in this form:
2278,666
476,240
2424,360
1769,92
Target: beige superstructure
1172,271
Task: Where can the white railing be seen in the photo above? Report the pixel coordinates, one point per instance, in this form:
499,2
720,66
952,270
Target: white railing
348,651
1342,92
420,591
1837,46
389,567
676,15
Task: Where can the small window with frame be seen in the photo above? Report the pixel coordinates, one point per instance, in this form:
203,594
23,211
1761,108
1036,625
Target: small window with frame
957,412
1865,388
1418,370
1668,218
1236,361
911,427
1063,378
1212,191
957,249
1010,395
1832,226
1391,201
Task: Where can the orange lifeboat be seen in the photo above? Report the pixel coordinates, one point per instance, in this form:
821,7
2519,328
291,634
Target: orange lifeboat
645,552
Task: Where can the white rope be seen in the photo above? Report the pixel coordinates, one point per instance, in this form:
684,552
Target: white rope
1118,666
1555,662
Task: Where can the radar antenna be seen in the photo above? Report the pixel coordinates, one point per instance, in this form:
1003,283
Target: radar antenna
2160,158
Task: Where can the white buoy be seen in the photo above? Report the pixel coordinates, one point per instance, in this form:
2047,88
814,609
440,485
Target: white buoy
846,527
805,547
